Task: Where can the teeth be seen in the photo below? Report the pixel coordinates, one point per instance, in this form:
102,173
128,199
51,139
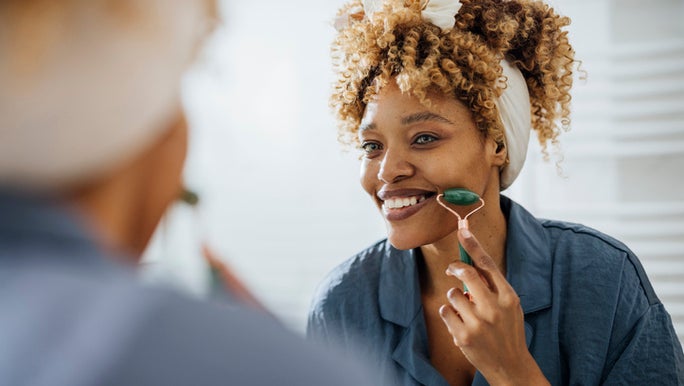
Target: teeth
394,203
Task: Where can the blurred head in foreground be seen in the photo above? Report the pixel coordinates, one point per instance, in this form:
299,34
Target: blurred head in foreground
90,110
91,124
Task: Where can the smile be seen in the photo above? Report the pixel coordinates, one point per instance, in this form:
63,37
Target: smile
401,202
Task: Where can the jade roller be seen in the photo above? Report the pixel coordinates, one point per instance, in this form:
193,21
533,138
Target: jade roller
461,197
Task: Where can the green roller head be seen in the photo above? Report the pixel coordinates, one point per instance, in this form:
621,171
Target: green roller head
460,196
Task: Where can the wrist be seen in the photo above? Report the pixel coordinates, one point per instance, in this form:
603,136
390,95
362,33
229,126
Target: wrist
527,373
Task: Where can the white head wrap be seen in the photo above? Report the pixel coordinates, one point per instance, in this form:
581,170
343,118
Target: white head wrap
103,91
438,12
516,116
513,105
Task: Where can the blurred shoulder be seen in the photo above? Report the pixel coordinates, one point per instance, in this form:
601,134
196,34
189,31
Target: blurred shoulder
183,340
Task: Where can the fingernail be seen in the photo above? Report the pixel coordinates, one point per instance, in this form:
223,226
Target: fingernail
466,233
455,271
451,292
442,310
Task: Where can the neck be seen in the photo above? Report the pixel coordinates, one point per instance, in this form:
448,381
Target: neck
126,204
109,209
489,227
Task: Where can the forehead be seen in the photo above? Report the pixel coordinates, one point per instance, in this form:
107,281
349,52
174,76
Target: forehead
392,106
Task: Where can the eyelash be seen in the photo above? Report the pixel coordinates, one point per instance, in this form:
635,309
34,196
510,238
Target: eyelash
432,138
364,147
420,140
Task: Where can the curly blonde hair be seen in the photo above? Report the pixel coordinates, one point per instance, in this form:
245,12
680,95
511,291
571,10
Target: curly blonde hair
396,44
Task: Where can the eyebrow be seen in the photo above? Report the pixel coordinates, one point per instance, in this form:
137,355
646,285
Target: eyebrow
422,117
413,118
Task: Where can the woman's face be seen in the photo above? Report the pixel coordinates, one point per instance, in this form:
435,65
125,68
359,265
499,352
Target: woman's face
412,152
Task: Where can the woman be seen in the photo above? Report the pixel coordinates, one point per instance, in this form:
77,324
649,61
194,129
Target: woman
442,94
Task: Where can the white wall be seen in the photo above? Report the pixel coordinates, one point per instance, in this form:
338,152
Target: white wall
281,202
280,199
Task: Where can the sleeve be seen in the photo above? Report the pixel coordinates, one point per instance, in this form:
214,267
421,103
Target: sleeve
316,327
327,312
652,354
324,323
644,347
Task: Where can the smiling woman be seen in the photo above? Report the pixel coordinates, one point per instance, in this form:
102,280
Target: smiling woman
413,152
441,94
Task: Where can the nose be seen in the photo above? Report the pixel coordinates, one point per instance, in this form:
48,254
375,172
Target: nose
394,167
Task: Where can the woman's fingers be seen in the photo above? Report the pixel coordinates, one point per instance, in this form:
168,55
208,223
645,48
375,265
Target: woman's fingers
462,305
452,320
489,326
472,278
490,291
461,318
481,260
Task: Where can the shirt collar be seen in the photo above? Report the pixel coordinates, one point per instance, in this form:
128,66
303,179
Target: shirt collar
32,221
399,292
528,257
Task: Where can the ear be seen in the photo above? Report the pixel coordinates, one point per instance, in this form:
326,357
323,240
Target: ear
496,152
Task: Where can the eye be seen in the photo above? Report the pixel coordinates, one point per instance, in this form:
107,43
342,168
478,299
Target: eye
424,139
369,148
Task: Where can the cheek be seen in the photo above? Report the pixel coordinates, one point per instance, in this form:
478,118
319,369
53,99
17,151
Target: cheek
173,160
181,149
368,176
465,169
168,176
444,171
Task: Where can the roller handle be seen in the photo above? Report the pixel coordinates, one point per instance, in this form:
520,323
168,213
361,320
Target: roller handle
465,257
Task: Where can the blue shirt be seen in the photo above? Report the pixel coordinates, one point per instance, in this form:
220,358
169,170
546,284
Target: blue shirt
71,316
591,315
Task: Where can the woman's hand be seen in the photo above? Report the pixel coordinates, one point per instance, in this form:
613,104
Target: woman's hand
487,324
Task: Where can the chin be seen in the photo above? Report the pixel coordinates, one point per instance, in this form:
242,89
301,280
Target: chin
404,243
413,237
